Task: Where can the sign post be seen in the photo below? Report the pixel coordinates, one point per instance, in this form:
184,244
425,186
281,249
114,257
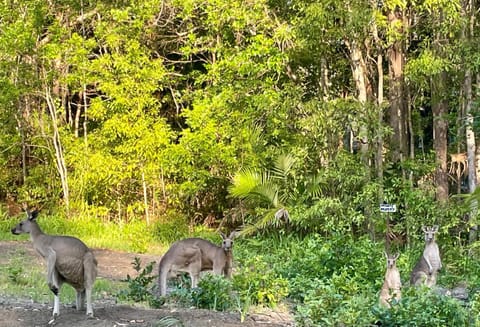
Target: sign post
385,207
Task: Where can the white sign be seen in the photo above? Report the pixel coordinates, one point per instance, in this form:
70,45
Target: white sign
388,207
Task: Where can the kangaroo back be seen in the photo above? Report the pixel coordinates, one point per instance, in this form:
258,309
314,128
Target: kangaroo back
183,256
193,255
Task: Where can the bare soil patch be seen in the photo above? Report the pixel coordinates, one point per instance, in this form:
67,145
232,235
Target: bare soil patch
115,265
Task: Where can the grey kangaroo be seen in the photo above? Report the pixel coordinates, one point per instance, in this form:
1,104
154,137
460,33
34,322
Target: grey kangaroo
425,271
68,259
193,255
392,284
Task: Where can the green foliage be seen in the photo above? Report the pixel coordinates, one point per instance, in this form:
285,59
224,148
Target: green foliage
315,257
170,231
475,309
138,287
340,301
257,284
181,295
423,307
214,292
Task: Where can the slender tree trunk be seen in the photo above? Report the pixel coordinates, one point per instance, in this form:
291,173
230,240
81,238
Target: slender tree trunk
467,35
440,130
379,136
470,136
60,160
145,198
85,117
398,109
359,73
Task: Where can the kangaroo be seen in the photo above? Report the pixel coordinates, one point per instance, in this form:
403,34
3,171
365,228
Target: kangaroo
392,285
425,271
68,259
193,255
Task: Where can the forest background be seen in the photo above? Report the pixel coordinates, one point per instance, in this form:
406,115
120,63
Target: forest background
289,120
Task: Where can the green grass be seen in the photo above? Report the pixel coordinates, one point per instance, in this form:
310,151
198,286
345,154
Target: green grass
135,236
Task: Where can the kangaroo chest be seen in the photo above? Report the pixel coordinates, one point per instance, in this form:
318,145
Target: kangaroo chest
432,254
392,278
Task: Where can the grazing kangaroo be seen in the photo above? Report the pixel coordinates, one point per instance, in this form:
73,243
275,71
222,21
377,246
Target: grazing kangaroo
69,261
193,255
425,271
392,285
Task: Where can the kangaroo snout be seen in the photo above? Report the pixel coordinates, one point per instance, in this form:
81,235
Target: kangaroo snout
14,231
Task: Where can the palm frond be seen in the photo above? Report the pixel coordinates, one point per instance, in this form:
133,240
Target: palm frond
313,186
252,186
283,166
273,217
267,193
244,182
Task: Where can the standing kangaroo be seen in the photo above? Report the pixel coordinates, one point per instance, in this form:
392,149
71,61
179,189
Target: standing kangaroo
68,259
392,285
425,271
193,255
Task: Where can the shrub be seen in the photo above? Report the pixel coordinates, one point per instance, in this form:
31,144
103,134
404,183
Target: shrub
423,307
139,288
475,310
171,228
214,292
257,283
342,300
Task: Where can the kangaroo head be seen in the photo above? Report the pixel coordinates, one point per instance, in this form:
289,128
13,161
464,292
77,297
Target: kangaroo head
391,260
227,242
430,233
25,226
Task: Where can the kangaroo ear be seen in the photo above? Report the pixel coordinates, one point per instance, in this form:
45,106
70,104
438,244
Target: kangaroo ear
32,215
424,229
435,228
386,255
233,235
222,235
396,256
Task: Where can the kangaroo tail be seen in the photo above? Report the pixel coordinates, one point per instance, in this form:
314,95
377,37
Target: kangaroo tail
89,269
162,277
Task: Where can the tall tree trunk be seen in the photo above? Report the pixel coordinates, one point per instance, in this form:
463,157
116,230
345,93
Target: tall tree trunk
440,130
57,144
440,111
467,35
398,108
379,135
362,84
359,72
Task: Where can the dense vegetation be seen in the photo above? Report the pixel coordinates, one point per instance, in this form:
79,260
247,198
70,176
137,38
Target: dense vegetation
290,120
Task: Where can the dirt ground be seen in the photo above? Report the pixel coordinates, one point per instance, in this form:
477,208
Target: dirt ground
115,266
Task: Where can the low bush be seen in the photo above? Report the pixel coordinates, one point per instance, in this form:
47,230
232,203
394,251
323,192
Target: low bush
214,292
139,288
256,282
423,307
341,300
